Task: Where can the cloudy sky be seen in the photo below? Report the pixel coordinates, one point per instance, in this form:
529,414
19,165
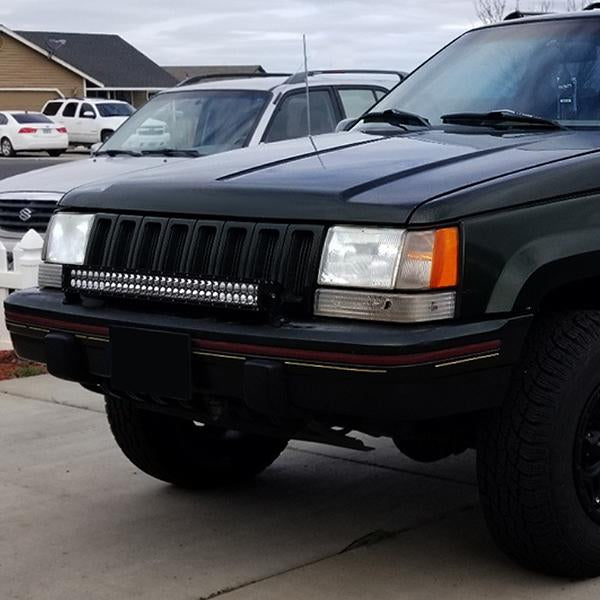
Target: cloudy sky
341,33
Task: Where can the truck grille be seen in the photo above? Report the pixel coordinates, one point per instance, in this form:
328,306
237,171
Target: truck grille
285,256
22,215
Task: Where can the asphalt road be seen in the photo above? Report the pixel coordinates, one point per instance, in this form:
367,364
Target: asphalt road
77,520
24,163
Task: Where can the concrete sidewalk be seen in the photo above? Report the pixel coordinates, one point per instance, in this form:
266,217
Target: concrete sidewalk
78,521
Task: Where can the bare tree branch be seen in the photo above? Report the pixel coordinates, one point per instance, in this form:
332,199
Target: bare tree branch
575,5
490,11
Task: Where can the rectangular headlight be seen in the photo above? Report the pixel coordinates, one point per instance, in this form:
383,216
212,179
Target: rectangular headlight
381,261
361,257
388,259
67,237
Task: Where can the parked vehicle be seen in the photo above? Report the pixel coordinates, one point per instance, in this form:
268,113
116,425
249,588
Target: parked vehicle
221,114
22,131
88,120
431,276
205,115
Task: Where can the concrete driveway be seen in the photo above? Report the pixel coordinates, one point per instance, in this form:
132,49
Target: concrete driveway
77,521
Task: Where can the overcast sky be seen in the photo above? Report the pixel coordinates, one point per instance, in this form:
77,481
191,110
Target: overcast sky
396,34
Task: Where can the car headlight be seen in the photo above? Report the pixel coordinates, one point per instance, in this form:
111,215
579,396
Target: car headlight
67,237
392,260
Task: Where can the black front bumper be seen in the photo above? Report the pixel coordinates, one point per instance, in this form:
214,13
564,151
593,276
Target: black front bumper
306,369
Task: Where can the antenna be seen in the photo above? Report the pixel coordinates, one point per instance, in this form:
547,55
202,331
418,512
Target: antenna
309,124
54,45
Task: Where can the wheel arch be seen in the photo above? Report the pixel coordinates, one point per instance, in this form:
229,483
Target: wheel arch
545,267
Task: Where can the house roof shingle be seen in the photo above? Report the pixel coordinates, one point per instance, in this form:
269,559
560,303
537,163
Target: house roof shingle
105,57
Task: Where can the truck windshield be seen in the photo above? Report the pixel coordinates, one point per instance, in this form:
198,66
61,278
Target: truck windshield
546,68
207,121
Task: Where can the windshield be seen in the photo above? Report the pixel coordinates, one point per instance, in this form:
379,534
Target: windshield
550,69
207,121
114,109
31,118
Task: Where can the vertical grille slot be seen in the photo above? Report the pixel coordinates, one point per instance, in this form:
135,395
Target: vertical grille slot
265,252
234,249
176,246
204,247
99,238
284,254
299,268
149,243
122,243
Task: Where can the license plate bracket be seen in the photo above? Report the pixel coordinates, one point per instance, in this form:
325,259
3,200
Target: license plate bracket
152,362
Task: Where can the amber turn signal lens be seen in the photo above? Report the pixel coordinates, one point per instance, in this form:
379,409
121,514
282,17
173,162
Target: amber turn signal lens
444,268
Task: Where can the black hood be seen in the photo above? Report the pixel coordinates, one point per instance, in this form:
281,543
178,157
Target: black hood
351,177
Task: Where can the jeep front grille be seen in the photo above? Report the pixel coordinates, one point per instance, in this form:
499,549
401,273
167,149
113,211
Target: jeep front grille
285,256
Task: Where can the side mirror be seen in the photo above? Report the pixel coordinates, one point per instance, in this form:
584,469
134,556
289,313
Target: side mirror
346,124
88,114
95,147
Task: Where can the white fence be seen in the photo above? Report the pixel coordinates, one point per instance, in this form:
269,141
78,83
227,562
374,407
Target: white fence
27,255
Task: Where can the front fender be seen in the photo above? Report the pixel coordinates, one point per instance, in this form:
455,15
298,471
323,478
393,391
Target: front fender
515,258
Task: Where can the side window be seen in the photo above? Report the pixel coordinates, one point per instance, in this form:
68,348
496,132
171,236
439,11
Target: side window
3,119
290,119
52,108
379,94
70,109
87,108
356,100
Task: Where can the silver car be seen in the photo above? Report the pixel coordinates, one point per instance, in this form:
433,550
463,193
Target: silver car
199,117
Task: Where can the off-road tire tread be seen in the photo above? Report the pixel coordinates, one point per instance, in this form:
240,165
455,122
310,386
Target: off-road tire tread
157,444
515,448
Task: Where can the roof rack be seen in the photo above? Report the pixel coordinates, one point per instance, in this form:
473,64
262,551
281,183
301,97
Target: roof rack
301,76
519,14
593,6
199,78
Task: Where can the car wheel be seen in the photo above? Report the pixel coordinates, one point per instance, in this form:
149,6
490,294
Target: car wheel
184,453
6,148
105,135
55,153
539,455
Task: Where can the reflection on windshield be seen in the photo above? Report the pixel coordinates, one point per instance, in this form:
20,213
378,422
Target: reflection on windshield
207,121
550,69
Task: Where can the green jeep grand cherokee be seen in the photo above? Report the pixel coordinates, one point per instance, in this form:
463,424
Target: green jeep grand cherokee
432,276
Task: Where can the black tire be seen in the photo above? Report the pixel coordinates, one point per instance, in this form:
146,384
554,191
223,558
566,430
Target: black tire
533,459
105,135
180,452
6,148
55,153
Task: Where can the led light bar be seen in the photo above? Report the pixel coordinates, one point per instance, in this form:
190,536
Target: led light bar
190,290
